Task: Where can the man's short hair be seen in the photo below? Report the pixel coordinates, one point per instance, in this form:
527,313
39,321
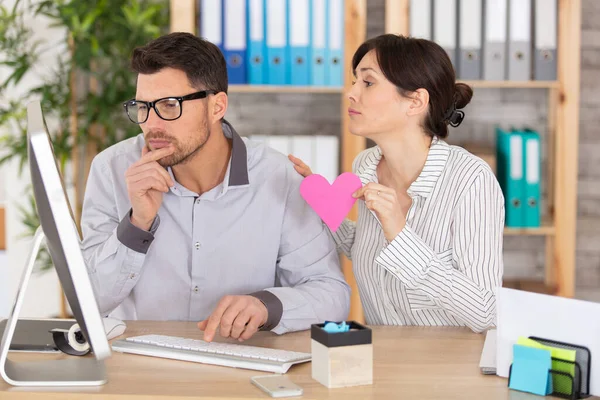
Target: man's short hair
201,60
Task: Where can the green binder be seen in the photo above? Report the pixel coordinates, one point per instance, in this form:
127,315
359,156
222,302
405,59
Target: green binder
510,167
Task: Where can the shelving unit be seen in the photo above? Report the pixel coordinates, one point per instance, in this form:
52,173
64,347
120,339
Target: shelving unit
331,89
544,230
562,135
184,19
562,138
513,84
283,89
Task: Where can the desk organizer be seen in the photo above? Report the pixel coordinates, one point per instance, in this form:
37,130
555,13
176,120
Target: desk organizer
565,385
344,358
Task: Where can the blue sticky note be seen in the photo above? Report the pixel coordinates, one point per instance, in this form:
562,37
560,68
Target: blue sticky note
530,370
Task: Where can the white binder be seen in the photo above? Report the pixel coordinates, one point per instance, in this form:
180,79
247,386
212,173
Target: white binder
211,21
420,19
444,26
519,36
280,143
303,147
494,46
469,39
327,157
545,31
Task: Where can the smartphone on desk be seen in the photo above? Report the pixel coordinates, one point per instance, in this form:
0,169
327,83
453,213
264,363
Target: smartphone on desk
277,385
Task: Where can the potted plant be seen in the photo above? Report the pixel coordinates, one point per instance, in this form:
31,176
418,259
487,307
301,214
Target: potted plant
83,93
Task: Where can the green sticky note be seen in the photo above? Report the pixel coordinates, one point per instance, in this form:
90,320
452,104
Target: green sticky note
559,381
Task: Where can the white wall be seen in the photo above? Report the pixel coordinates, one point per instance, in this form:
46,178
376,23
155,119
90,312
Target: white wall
42,299
3,262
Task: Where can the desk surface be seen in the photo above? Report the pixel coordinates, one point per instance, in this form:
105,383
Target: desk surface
409,362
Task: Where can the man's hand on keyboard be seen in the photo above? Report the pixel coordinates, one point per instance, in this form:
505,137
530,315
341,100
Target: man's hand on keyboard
238,317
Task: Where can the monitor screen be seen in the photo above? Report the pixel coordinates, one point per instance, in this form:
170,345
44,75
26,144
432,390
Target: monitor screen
61,235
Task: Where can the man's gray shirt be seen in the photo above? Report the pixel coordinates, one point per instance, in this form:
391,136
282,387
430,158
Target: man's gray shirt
251,234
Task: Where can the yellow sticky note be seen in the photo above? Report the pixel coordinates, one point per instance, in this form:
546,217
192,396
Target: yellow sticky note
559,381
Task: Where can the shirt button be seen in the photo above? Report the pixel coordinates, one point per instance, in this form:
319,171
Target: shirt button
145,241
197,245
198,201
132,276
196,289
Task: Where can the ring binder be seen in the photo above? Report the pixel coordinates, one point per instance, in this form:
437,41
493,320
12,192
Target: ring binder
576,386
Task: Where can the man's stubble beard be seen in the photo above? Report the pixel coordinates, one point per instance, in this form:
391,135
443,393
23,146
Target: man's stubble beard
185,155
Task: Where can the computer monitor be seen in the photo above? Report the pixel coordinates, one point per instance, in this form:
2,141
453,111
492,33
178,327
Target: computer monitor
63,242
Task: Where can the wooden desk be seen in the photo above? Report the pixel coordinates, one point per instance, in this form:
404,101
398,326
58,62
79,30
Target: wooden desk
409,363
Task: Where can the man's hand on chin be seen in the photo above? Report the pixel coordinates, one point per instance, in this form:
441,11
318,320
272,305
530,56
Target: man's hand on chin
238,317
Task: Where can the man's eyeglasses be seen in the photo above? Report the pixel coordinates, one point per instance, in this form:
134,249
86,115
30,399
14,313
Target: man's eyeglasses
167,108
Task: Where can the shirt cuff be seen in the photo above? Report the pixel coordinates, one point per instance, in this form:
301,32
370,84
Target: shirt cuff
274,308
135,238
407,256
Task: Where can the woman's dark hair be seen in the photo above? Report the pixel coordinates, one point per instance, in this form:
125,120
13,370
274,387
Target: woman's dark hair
411,64
202,61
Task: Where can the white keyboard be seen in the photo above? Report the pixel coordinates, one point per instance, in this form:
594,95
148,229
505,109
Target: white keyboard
229,355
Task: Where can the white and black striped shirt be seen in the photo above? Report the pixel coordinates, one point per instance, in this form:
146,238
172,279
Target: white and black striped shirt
444,266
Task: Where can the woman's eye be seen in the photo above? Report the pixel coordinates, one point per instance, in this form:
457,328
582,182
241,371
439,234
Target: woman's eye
367,83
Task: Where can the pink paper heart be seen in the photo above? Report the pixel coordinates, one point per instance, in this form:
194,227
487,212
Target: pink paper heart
331,202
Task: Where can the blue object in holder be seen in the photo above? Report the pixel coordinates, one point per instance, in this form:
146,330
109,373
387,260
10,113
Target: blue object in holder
530,370
332,327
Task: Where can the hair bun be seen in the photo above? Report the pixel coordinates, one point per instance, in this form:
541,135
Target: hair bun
462,95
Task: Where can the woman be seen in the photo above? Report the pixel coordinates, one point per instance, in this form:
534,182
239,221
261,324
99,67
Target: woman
427,246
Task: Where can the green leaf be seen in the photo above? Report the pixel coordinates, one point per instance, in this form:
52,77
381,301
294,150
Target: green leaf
104,33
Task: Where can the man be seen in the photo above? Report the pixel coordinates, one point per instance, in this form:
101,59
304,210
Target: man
188,221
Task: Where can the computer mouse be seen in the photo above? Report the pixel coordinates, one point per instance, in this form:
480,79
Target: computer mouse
113,327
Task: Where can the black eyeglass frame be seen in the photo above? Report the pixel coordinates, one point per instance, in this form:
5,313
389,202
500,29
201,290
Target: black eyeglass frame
152,104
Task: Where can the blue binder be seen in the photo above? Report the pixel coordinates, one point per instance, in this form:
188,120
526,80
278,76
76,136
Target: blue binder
257,63
532,167
277,42
234,40
318,41
335,40
299,41
510,175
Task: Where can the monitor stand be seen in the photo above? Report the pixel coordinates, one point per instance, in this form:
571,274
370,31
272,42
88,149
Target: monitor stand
68,371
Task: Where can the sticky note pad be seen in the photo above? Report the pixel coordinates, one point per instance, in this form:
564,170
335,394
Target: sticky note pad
559,381
530,370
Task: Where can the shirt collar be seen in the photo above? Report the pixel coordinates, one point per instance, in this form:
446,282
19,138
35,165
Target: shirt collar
237,171
236,174
427,179
432,170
